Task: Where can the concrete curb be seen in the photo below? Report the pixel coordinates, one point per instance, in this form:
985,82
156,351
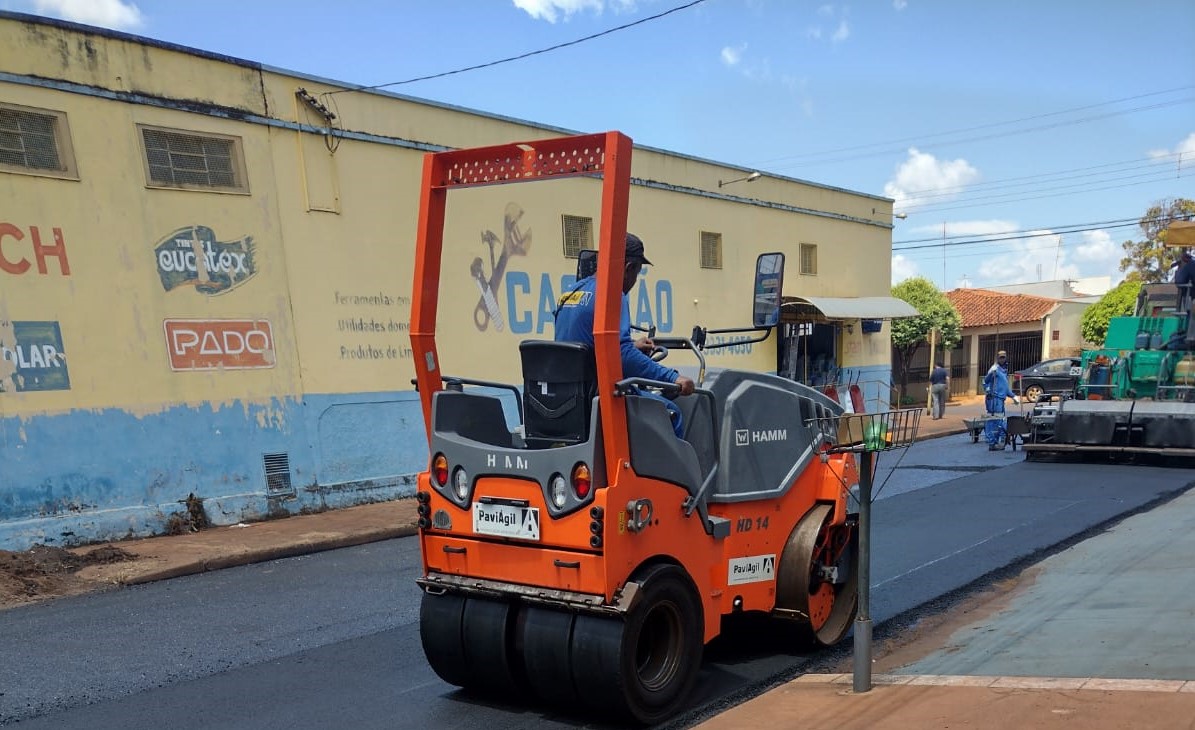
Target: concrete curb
265,554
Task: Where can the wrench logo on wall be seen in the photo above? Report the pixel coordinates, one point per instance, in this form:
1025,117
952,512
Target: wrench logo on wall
514,243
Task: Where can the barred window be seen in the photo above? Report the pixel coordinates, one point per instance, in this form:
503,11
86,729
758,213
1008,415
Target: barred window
711,250
194,161
35,141
578,235
809,258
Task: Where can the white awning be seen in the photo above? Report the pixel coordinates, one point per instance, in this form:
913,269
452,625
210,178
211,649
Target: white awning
847,307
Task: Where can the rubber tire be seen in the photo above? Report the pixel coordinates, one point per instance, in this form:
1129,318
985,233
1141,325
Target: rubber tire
606,653
545,643
440,634
1034,393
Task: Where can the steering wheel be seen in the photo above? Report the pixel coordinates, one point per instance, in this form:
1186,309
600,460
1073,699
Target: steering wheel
658,353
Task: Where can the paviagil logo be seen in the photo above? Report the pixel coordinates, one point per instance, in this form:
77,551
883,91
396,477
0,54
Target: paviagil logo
193,257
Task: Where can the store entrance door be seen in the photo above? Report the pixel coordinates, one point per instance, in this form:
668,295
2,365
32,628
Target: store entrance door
808,353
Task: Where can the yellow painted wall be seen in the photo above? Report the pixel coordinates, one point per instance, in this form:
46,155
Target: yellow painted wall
335,282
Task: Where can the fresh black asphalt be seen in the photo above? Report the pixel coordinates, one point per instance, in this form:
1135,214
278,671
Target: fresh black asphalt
331,640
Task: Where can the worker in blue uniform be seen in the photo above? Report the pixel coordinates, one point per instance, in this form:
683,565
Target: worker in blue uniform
996,390
574,323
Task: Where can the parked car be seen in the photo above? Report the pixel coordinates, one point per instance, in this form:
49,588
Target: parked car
1048,377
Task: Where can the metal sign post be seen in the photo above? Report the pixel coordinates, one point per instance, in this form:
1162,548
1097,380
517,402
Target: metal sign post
862,658
865,434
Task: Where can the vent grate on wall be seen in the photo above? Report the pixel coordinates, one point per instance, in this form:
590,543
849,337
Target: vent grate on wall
35,141
578,235
809,258
711,250
277,473
176,159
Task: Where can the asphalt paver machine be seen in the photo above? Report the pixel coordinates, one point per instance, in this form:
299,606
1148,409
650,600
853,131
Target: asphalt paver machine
584,557
1136,395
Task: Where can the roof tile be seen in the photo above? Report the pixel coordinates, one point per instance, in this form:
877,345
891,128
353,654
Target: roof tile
983,307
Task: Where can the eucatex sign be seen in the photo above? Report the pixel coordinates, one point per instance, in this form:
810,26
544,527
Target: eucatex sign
193,257
754,569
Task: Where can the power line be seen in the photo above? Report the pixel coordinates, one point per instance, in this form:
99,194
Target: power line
1030,180
963,130
1040,234
1062,228
529,54
939,209
1153,175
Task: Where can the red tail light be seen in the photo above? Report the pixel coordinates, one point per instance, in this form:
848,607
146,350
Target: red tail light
440,469
581,482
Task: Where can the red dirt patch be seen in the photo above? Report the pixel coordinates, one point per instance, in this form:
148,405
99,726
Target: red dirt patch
49,572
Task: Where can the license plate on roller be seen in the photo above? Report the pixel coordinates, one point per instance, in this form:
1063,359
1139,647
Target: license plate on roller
504,520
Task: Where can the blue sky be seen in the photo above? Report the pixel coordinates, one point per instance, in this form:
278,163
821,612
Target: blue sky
978,118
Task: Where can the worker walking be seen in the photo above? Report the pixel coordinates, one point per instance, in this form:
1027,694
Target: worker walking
996,389
939,391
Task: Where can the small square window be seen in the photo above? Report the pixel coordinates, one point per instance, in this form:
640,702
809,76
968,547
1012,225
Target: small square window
193,161
711,250
578,235
809,258
35,141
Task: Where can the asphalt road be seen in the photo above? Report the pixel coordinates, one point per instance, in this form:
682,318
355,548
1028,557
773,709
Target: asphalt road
331,640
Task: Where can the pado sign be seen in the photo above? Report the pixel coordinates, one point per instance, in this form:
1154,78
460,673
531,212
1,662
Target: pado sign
231,344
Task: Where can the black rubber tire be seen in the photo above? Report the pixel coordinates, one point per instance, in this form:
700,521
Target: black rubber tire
487,632
643,668
544,640
440,633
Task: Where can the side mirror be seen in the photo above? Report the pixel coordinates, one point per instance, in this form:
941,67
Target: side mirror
769,277
586,263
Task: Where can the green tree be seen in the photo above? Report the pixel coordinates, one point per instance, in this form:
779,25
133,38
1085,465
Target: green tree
1120,302
935,312
1148,259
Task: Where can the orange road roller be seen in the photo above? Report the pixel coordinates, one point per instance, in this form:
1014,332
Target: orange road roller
584,557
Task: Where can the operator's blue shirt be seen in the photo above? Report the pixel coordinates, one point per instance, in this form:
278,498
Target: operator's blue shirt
574,323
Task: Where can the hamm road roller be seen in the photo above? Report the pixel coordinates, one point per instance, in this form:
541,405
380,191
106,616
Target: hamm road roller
584,557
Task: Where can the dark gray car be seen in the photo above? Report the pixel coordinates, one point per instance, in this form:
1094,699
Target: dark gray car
1049,377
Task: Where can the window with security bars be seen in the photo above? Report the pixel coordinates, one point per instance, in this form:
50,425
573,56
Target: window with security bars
183,160
809,258
711,250
578,235
35,140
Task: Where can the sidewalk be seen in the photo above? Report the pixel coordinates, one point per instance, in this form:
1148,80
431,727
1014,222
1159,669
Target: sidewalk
160,558
827,702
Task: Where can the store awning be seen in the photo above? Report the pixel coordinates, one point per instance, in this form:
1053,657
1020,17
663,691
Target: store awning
805,308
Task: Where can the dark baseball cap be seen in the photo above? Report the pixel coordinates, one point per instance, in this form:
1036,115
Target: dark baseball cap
635,250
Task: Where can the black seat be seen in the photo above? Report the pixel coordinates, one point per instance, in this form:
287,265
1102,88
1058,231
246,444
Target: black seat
559,384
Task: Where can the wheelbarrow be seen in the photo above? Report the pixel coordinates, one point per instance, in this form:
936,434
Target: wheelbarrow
1016,427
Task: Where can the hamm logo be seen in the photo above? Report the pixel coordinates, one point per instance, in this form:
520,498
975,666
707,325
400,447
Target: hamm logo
746,436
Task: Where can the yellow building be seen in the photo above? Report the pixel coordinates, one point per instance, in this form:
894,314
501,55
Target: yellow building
206,269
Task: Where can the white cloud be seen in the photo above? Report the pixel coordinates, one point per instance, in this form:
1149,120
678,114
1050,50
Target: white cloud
1098,249
992,227
903,268
1185,150
732,56
553,10
1025,260
116,14
900,4
826,11
841,33
922,174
